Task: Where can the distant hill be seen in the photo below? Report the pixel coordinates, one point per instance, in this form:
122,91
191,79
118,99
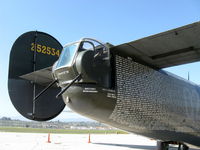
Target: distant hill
66,116
75,124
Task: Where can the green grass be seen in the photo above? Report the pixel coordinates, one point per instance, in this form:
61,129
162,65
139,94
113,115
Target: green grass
58,131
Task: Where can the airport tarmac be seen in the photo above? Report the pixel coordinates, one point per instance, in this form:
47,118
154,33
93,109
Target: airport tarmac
37,141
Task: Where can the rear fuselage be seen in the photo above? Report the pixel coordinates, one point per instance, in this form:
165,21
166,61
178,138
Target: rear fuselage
143,100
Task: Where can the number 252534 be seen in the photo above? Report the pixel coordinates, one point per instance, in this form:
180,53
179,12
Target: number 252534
45,49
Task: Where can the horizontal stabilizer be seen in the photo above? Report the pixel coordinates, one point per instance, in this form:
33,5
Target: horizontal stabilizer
41,77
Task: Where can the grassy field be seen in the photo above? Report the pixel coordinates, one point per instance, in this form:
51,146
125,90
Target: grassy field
58,131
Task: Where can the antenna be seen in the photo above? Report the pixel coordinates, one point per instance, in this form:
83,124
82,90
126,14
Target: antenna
188,75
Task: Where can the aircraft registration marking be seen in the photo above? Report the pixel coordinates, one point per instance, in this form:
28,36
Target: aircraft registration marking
45,49
90,90
111,95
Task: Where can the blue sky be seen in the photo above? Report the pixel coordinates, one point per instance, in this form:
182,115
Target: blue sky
113,21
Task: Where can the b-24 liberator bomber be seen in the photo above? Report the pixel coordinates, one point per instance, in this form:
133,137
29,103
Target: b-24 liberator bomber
124,86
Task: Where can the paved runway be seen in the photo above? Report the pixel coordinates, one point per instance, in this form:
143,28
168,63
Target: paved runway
36,141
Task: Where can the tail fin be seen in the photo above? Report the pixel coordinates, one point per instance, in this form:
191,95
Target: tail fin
31,52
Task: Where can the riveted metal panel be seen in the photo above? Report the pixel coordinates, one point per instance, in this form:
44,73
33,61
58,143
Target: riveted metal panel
151,100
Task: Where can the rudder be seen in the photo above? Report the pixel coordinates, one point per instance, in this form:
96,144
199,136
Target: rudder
33,51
